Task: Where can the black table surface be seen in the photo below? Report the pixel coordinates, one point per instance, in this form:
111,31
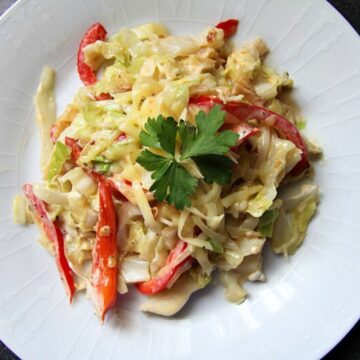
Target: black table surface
349,347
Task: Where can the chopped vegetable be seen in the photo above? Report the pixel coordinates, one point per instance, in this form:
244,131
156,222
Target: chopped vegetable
104,96
266,222
53,130
75,148
104,267
170,301
202,279
94,33
299,206
45,114
101,164
60,154
63,122
228,26
19,210
53,233
134,269
215,168
244,130
167,274
216,246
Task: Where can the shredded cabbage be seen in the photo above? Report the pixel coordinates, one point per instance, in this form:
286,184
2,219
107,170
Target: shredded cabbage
46,114
133,269
171,301
250,269
293,219
266,223
58,157
20,210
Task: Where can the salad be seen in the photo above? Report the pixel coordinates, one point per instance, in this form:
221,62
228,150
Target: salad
177,160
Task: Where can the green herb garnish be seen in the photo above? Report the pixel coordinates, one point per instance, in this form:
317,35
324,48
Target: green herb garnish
202,143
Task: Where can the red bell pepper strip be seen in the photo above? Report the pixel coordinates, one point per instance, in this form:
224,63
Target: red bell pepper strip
114,189
168,273
228,26
243,112
54,234
53,138
103,96
244,130
94,33
204,101
122,137
176,251
76,149
104,268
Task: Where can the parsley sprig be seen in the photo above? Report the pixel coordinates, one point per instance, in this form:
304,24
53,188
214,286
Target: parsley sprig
203,143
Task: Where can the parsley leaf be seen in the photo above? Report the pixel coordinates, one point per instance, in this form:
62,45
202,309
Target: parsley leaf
174,184
182,186
161,185
160,134
204,140
215,168
172,181
151,136
168,140
153,162
201,143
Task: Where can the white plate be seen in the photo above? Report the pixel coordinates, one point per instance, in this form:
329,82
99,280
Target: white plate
308,303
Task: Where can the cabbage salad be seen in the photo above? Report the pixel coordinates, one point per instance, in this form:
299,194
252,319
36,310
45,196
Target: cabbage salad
176,159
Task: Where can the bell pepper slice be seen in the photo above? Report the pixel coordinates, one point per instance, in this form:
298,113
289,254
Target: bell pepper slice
168,273
54,234
104,255
228,26
76,149
94,33
244,130
103,96
53,137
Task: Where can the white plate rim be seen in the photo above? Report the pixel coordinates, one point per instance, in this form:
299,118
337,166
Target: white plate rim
323,350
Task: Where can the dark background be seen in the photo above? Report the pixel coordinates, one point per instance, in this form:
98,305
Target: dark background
349,347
